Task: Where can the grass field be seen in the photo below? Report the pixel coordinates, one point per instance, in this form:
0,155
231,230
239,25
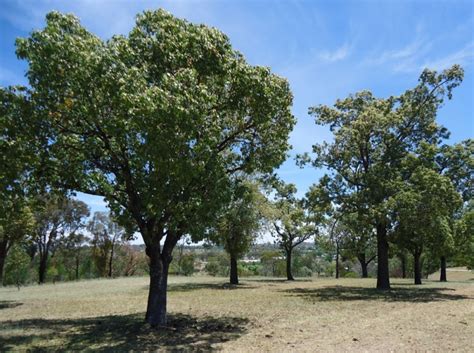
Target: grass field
260,315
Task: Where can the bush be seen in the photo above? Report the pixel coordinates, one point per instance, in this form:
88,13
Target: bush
17,267
218,265
351,274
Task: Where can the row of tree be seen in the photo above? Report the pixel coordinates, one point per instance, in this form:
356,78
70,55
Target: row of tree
169,124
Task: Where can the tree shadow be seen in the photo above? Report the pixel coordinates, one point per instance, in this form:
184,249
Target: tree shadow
186,287
7,304
396,294
276,280
120,333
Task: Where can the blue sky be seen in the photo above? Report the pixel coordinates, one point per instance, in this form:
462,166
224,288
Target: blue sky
326,49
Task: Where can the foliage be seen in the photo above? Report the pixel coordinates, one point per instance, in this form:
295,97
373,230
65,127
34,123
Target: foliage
17,266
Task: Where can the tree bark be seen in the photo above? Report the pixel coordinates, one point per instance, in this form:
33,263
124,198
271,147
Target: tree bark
417,266
156,307
3,256
383,279
403,262
234,276
289,275
77,268
363,265
111,259
442,276
42,268
337,260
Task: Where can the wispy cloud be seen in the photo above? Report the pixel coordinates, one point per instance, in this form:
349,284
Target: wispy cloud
336,55
463,57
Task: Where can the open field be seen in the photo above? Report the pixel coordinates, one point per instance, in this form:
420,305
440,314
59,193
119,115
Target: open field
260,315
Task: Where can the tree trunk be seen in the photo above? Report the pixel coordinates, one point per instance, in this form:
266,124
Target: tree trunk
111,260
234,276
443,277
156,308
42,268
363,265
3,256
403,262
337,259
417,266
289,275
77,268
383,279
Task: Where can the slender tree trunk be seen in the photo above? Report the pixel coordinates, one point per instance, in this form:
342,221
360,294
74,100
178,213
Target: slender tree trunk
111,260
363,265
417,266
443,277
383,279
156,308
42,268
337,259
289,275
77,268
234,276
3,256
403,262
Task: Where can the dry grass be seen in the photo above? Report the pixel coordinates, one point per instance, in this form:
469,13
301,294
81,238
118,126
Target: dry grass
260,315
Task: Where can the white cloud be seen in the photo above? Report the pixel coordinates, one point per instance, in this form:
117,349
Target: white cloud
339,54
462,57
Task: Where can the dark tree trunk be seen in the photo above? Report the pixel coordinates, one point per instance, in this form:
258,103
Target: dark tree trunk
289,275
111,260
42,268
337,259
442,276
363,265
77,268
156,308
417,266
3,256
234,276
383,279
403,262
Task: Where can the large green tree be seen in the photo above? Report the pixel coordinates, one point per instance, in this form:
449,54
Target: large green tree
156,122
17,161
372,136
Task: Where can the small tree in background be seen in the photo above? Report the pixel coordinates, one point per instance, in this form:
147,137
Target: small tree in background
106,236
239,223
290,222
56,216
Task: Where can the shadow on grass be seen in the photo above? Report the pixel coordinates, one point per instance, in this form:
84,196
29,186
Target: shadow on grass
7,304
186,287
403,294
120,333
276,280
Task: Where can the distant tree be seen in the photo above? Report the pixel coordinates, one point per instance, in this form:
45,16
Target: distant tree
73,250
291,223
359,241
17,266
56,217
372,137
464,240
106,236
156,122
457,163
239,223
423,210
